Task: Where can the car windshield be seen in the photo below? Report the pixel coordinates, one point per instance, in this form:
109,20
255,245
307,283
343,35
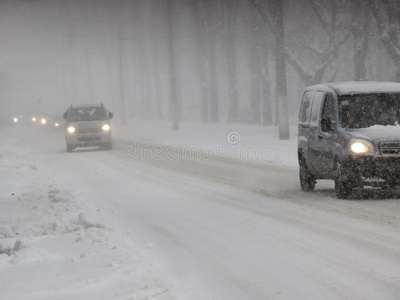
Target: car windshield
363,111
87,114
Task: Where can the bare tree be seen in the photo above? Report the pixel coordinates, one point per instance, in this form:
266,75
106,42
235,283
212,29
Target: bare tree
230,17
256,69
202,62
156,64
212,21
325,55
265,82
360,30
387,16
275,22
174,103
122,105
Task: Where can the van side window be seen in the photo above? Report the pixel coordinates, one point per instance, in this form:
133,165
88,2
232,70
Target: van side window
305,111
316,108
328,111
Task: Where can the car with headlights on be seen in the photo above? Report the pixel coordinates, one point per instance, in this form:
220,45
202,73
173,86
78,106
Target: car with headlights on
57,123
349,132
9,119
44,121
88,125
54,122
16,120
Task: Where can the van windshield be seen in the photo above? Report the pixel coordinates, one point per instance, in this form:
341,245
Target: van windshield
366,110
87,114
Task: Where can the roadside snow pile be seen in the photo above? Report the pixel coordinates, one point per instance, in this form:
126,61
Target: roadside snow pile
50,249
242,142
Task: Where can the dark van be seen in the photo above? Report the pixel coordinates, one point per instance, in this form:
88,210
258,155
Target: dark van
88,125
349,132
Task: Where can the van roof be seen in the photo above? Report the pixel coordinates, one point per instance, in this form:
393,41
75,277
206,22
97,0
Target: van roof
360,87
91,105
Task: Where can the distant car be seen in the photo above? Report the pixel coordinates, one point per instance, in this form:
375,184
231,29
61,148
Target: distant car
88,125
44,121
57,123
350,132
52,122
39,120
7,120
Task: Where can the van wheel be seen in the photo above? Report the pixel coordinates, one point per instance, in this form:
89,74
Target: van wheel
307,179
343,188
69,148
108,146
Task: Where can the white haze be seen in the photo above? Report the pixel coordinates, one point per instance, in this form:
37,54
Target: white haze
54,53
147,216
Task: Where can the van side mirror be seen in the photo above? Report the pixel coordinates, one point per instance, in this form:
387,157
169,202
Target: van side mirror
326,125
65,116
110,115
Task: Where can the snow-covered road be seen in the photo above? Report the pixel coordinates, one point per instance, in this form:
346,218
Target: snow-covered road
226,229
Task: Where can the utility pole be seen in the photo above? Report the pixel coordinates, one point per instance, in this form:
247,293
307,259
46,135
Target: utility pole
71,52
174,107
122,106
156,62
89,73
280,67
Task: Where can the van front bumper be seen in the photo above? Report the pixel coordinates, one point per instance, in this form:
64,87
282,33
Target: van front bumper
88,140
372,167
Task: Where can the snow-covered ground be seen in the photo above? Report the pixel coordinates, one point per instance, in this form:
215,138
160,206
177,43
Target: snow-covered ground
252,143
112,225
51,250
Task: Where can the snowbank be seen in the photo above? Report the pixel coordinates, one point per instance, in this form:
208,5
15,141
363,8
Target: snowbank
244,142
49,249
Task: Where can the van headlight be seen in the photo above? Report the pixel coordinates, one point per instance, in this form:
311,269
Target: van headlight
71,129
361,147
106,127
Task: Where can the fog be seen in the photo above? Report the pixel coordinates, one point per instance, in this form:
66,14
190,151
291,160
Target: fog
220,55
154,149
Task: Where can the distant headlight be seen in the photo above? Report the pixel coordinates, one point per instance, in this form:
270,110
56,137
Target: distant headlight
361,147
15,120
106,127
33,119
56,124
43,121
71,129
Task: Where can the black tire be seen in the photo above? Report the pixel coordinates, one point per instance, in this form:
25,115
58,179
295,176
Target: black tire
69,148
343,188
307,179
107,146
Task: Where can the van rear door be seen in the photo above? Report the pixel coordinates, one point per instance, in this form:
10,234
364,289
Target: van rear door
304,121
314,141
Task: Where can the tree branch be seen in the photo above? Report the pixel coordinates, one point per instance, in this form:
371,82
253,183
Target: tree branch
393,31
264,17
393,52
306,77
321,19
332,78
